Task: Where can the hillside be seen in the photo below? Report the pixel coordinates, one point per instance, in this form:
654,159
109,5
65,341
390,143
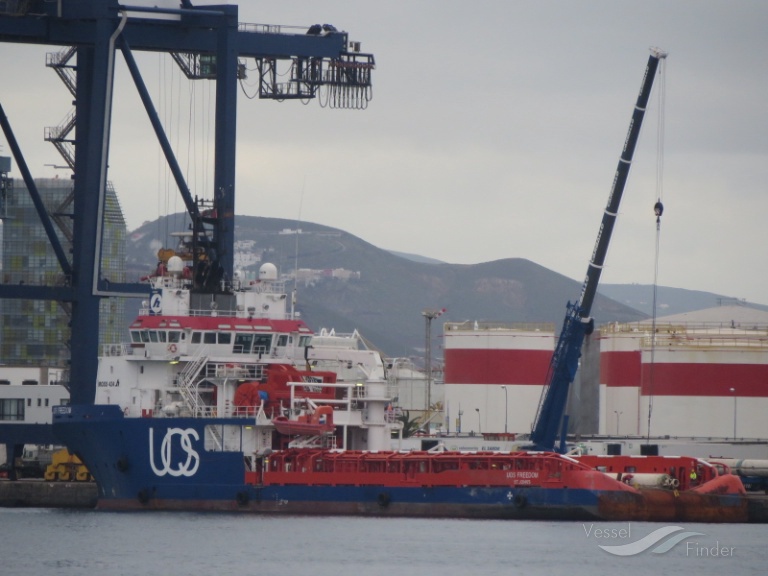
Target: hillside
669,301
386,301
385,293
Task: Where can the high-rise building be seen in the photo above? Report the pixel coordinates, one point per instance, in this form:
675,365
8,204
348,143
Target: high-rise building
36,332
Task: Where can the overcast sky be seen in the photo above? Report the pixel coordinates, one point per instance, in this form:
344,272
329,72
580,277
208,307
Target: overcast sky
494,132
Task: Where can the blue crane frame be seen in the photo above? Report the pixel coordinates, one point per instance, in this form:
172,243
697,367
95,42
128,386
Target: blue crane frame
97,28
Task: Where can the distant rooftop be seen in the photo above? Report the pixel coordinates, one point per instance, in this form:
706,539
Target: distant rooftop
731,314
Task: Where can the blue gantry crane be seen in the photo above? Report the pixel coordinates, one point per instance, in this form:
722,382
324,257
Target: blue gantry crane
208,42
551,419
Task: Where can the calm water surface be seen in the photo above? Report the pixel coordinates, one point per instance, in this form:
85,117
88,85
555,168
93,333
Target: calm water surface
64,542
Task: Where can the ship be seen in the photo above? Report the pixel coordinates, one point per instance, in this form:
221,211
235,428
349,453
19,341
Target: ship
226,400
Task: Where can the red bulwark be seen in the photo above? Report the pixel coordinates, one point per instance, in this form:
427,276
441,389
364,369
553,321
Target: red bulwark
483,366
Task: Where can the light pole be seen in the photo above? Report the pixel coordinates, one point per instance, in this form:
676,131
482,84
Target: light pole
617,420
429,315
733,391
505,408
479,426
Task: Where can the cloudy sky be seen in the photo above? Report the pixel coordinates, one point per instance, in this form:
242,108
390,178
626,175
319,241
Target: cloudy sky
494,132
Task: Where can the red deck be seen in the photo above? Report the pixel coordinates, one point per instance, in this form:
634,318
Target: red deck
484,469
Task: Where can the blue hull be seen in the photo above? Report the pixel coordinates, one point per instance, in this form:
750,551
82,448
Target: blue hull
162,464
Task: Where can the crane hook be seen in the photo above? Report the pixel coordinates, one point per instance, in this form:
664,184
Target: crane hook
658,209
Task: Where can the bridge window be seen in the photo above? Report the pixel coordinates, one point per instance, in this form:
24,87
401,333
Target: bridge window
282,340
243,343
225,337
262,343
209,337
196,337
174,336
153,335
135,336
12,409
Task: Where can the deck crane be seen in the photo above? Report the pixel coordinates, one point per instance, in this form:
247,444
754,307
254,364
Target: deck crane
210,41
551,417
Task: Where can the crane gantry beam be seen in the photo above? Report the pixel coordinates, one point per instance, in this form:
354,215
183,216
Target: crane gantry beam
98,29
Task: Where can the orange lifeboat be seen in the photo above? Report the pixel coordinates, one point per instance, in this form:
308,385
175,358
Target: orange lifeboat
318,422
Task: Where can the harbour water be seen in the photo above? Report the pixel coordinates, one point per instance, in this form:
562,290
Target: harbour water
42,541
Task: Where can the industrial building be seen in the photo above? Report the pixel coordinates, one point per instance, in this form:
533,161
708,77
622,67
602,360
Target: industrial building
704,375
36,332
700,374
494,374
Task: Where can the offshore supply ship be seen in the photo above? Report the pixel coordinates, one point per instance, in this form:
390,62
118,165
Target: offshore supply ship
223,400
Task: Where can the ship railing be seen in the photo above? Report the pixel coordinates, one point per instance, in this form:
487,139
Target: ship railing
234,370
706,340
361,391
393,415
753,331
207,411
385,422
325,441
246,412
123,349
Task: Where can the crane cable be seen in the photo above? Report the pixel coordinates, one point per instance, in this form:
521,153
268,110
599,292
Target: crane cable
658,210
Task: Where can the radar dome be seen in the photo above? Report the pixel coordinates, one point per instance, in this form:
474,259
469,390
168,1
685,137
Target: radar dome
268,272
175,265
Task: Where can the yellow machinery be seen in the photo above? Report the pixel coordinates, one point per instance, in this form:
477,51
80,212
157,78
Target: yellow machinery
66,467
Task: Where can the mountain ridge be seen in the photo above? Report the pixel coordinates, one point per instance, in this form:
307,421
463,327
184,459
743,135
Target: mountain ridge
348,284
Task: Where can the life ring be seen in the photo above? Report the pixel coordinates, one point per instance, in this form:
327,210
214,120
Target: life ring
172,348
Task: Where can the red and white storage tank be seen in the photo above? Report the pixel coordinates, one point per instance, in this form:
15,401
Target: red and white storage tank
494,374
704,374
